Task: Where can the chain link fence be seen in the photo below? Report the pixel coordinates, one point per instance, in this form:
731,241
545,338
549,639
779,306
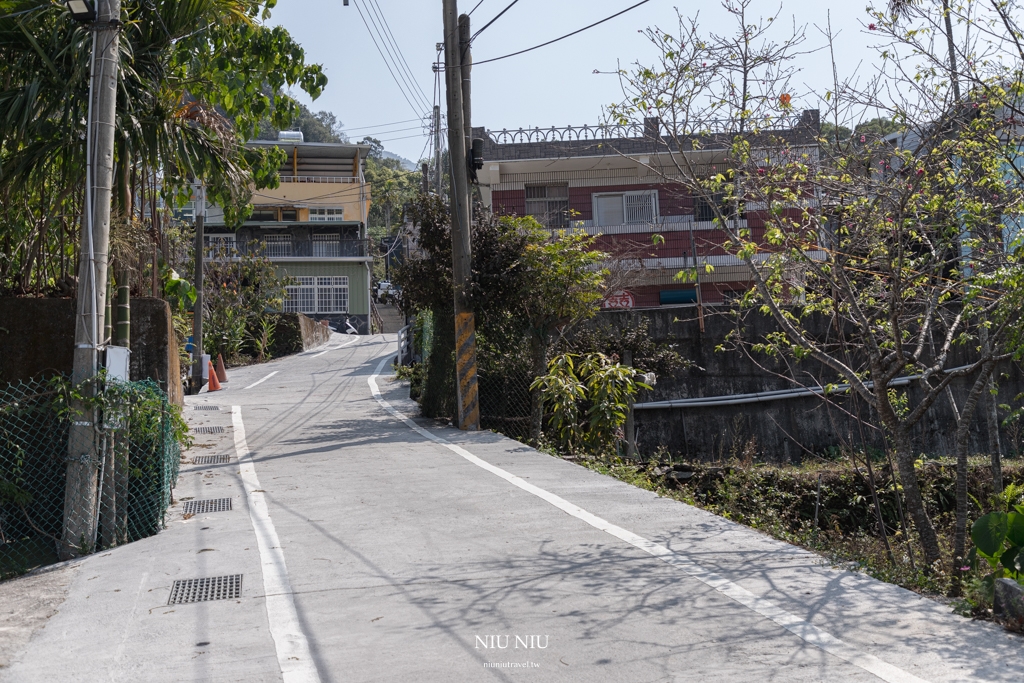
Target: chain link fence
503,374
120,495
504,378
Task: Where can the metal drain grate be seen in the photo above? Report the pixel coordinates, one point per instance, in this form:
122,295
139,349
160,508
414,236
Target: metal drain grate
201,507
211,459
205,407
185,591
207,430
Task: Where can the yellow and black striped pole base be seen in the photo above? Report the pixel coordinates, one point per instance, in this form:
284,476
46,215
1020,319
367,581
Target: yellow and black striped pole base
465,368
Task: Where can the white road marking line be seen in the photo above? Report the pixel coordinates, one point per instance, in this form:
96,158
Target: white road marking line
335,348
799,627
293,655
261,381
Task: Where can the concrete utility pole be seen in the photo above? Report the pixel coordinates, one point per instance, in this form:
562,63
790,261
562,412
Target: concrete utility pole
197,309
465,329
437,151
80,496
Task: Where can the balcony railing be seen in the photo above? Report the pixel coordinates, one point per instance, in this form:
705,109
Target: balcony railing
636,130
292,248
319,179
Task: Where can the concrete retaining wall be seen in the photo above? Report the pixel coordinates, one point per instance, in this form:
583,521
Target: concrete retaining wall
296,332
782,430
37,339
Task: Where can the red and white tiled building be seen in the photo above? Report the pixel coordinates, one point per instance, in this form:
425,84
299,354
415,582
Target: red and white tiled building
617,184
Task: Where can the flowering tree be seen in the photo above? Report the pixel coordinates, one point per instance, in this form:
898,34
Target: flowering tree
897,241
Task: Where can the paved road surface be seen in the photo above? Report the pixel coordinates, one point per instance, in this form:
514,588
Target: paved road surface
373,547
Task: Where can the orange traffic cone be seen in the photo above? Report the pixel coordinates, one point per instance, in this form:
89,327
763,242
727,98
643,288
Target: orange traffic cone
222,374
214,383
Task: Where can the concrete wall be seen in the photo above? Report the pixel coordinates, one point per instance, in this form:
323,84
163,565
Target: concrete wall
783,430
37,339
296,332
155,347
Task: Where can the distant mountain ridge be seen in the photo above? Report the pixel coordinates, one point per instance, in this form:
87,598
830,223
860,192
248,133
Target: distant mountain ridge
406,164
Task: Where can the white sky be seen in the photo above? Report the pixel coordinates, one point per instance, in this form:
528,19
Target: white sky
552,86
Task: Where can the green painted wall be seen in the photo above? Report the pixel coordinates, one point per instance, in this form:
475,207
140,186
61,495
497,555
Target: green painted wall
358,296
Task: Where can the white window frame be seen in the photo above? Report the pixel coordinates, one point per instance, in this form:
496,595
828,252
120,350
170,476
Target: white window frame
301,297
217,240
626,218
277,246
332,294
322,294
552,220
326,214
327,245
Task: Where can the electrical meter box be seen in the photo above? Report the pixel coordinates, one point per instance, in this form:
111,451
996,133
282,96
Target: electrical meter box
118,358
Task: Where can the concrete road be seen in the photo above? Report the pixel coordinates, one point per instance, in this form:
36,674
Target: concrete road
374,547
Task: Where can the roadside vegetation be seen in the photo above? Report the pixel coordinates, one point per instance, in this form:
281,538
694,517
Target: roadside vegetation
829,507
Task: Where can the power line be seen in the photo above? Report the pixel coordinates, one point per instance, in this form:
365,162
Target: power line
567,35
474,8
386,63
374,5
409,137
382,125
492,20
409,82
389,132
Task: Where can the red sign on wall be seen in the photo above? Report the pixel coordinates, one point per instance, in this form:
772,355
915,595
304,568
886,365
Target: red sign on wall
619,299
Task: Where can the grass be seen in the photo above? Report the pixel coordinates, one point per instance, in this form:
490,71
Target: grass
781,501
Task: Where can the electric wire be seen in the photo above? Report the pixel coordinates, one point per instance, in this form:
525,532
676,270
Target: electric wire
398,51
492,21
386,63
567,35
474,8
388,132
408,80
382,125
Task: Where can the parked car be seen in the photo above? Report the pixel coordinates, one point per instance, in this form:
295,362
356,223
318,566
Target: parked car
385,291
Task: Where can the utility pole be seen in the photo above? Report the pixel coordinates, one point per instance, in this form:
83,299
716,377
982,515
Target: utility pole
197,310
465,329
80,495
437,151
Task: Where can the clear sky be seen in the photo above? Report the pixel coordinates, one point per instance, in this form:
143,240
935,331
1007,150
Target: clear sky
552,86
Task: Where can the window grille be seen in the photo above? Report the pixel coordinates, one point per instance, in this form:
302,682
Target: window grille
627,208
327,246
276,246
704,208
217,245
301,297
325,214
549,204
332,294
324,294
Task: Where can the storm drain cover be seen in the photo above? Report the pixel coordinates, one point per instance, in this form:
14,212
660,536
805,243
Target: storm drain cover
205,407
185,591
201,507
207,430
211,459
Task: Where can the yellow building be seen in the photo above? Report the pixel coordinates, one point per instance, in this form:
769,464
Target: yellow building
313,228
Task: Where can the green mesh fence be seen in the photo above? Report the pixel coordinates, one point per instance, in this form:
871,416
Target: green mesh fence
118,495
